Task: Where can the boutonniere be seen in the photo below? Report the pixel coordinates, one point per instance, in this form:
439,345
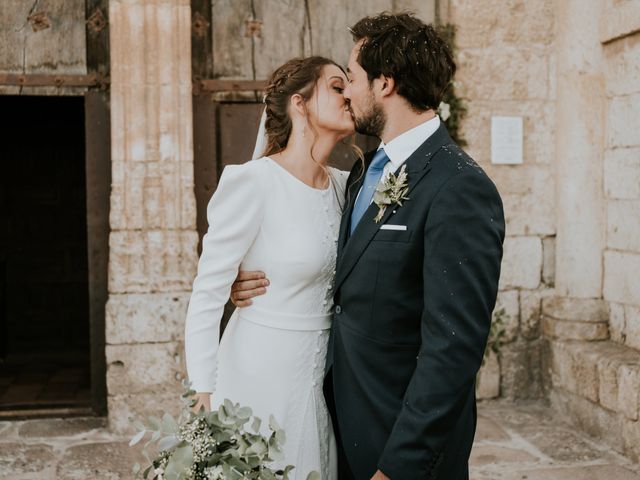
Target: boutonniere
391,190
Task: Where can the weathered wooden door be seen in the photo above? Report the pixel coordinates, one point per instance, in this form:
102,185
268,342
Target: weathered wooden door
57,50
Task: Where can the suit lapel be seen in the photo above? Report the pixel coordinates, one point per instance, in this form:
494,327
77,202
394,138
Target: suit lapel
352,192
418,165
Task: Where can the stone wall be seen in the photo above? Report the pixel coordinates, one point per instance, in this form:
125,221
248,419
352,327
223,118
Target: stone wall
569,284
506,62
621,67
153,242
594,344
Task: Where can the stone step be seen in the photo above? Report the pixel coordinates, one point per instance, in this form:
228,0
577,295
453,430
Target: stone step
597,384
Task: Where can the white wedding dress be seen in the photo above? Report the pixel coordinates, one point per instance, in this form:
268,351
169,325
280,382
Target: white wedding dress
272,354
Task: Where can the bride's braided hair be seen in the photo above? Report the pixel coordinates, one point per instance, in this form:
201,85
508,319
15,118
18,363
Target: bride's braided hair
298,75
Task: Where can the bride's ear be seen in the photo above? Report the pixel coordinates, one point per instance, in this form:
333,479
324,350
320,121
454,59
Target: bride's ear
298,104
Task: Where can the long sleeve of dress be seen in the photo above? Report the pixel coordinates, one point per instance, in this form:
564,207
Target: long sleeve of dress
235,214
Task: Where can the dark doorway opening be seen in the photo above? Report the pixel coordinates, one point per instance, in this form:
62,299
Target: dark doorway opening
45,347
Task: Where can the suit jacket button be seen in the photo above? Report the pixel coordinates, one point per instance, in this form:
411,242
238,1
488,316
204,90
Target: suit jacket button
338,309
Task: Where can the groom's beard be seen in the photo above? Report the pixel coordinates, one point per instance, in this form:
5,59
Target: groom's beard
372,121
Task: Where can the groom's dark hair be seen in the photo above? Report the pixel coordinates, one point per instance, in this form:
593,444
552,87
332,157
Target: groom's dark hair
404,48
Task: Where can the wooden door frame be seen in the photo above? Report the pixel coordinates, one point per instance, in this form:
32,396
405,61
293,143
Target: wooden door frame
98,192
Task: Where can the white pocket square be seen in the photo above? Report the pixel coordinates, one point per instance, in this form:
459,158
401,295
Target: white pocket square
393,227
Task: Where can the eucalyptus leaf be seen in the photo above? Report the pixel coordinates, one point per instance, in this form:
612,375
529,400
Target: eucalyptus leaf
244,412
169,425
154,422
137,437
255,425
273,424
168,442
313,476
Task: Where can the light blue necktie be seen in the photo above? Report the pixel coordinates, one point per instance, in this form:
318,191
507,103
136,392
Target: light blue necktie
371,179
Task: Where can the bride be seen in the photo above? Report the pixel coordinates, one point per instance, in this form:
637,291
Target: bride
279,214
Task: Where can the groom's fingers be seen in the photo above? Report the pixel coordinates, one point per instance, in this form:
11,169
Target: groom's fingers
245,294
249,275
244,286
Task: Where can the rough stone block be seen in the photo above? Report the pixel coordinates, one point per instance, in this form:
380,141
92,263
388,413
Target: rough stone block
619,20
123,409
531,312
617,328
144,368
60,427
156,194
623,121
508,301
576,309
521,370
575,367
523,71
622,232
631,440
488,382
622,173
612,357
621,277
567,330
147,317
152,261
486,23
608,382
622,66
629,390
632,326
530,214
18,459
521,263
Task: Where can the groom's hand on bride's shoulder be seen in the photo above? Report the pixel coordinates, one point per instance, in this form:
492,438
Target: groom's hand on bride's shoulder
246,286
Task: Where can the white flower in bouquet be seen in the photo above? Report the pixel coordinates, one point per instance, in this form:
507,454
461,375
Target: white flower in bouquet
212,445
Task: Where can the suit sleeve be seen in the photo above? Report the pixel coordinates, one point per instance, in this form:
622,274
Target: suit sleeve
463,238
235,214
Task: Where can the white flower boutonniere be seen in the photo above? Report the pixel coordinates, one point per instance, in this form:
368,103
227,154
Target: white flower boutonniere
391,190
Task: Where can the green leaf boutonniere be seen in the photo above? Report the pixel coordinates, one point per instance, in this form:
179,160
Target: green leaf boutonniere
391,190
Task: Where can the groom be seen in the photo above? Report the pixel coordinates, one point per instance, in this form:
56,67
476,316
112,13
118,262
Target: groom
415,287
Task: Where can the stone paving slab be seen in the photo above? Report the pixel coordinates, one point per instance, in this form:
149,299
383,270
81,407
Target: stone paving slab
528,441
514,441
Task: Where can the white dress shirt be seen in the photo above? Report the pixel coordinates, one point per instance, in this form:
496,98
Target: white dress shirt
403,146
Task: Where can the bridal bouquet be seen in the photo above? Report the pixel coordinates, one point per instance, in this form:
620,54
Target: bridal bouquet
211,445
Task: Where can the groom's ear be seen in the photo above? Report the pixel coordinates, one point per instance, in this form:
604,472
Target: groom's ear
387,85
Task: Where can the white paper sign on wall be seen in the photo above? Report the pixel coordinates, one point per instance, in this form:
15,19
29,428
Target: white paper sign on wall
506,140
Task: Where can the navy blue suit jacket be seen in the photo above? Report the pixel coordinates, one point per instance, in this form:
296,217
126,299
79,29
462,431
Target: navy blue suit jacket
412,314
